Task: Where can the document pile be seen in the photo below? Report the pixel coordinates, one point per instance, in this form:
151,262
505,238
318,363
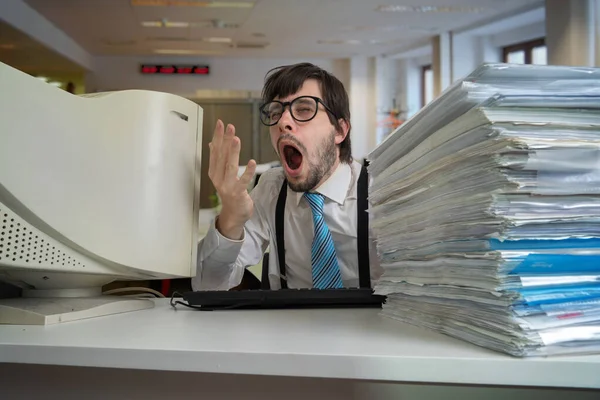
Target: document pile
485,207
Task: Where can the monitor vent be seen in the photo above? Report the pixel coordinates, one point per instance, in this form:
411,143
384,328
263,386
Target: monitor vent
22,244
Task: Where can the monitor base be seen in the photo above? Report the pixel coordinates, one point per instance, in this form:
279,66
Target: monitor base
48,311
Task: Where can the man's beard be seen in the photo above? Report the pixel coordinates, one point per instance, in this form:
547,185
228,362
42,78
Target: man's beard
326,157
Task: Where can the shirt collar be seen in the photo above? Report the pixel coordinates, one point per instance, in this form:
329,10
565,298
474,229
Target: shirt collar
335,187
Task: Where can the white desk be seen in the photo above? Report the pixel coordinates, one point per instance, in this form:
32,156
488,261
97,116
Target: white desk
352,345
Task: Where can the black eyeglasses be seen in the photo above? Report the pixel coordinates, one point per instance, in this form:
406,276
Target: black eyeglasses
303,108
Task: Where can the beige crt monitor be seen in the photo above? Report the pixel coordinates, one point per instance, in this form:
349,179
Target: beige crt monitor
93,189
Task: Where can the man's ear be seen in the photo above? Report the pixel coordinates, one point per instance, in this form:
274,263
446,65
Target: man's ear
343,131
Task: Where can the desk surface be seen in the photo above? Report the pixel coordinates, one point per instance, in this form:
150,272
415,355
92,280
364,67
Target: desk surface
350,343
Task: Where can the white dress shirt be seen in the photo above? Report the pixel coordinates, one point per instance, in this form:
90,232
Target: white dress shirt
221,261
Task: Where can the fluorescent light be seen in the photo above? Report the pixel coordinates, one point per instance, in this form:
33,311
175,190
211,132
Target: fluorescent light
192,3
217,39
57,84
165,24
428,9
357,42
216,24
177,24
315,55
43,78
339,41
224,4
185,52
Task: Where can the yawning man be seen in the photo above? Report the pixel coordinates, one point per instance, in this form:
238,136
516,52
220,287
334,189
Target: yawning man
307,212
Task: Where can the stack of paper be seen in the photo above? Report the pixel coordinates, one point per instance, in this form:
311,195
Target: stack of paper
485,207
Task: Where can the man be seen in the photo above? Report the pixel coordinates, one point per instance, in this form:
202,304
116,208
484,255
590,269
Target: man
308,112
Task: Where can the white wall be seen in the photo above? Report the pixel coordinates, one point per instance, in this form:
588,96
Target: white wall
465,57
519,35
487,52
386,88
229,74
409,75
363,105
470,48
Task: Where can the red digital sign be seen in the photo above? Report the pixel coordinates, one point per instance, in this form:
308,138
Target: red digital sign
175,69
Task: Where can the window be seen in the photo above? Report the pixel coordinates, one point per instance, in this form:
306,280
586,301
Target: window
533,52
426,85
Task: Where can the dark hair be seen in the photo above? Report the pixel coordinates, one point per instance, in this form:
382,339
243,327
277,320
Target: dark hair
287,79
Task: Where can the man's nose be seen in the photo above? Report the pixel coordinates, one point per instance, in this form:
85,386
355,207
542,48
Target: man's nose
286,123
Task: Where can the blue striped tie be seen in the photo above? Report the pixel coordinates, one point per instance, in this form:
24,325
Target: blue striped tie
325,268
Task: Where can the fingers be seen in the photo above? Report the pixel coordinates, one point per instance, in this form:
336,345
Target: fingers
218,133
215,147
221,149
248,173
233,161
224,160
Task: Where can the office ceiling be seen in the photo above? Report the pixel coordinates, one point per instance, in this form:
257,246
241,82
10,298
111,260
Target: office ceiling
269,28
20,51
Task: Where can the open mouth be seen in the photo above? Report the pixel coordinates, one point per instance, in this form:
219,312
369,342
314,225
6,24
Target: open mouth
292,156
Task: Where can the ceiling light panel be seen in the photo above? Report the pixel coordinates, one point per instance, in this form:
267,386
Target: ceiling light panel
186,52
191,3
339,41
355,42
171,39
217,39
216,24
165,24
225,4
429,9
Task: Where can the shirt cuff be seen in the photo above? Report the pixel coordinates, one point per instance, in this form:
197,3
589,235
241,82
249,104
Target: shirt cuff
221,237
223,248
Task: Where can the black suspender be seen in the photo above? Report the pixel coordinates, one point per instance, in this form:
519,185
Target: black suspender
362,234
280,208
279,233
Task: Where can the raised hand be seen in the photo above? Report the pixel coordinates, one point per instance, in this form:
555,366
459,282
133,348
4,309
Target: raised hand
237,205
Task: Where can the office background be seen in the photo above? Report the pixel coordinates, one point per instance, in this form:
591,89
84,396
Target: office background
393,57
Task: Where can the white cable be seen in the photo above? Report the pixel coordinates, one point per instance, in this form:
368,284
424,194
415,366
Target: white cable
134,289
